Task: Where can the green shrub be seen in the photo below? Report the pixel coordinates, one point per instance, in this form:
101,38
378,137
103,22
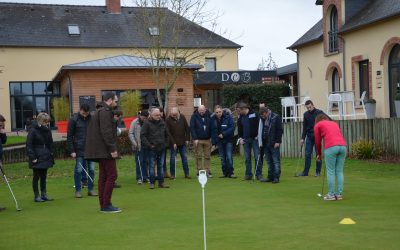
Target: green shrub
60,109
130,103
254,94
365,149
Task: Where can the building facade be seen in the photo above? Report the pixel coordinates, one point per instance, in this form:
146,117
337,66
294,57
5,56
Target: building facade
355,47
38,39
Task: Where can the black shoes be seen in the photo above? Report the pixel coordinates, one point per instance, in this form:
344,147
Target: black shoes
247,178
38,199
46,198
275,181
266,180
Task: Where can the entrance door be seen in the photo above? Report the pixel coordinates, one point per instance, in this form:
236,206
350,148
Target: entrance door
394,77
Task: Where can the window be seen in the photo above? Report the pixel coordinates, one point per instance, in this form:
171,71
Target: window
154,31
180,60
73,30
31,98
364,77
335,81
210,64
149,96
333,29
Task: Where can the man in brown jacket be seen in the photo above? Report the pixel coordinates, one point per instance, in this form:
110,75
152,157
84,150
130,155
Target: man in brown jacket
179,136
101,146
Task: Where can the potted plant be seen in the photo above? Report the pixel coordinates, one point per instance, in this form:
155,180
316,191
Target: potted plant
370,108
130,103
61,113
397,104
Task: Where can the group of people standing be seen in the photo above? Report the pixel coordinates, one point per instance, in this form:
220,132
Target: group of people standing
92,137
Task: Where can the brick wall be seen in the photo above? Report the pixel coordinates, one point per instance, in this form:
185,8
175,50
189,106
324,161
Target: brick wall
92,82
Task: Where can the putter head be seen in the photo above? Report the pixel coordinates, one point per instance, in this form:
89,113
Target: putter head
19,209
319,195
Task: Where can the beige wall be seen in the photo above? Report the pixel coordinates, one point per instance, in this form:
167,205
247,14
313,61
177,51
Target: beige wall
42,64
368,43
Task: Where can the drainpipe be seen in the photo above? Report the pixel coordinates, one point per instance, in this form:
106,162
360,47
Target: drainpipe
70,94
344,62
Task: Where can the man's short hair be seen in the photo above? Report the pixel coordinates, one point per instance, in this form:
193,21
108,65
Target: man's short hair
308,102
2,119
263,110
108,95
242,105
85,107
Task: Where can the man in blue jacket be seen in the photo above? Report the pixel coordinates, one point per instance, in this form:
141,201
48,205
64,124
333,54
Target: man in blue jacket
200,128
222,131
248,131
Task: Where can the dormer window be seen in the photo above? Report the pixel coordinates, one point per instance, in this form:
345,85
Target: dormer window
333,30
154,31
73,30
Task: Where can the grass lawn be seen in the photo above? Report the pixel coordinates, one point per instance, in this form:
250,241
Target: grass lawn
13,139
240,214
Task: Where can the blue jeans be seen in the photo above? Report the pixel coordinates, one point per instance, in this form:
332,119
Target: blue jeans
78,172
182,151
141,165
248,146
334,161
273,158
156,157
310,145
225,154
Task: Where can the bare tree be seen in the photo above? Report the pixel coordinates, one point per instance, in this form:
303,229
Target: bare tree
171,29
268,64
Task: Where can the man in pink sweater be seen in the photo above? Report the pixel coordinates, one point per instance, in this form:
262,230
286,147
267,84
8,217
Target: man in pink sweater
335,154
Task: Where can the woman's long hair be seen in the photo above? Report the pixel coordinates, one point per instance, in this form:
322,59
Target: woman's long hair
322,117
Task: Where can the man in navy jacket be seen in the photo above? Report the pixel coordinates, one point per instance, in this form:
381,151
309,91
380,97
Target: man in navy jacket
248,131
200,128
222,132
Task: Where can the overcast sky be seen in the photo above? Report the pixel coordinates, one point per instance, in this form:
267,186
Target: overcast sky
260,26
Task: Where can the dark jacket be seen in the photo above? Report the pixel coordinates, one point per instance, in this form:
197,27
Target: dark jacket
224,126
3,140
178,130
274,133
309,122
154,135
39,146
76,135
101,135
253,124
200,130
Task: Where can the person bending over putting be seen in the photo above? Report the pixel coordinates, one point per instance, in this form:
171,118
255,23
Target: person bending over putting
335,154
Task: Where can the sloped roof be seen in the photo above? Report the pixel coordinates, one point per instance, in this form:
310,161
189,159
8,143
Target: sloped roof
374,11
313,34
119,62
288,69
45,25
125,62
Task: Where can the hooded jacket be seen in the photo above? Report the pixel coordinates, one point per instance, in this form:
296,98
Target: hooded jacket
224,126
101,135
154,135
275,131
134,134
39,146
76,135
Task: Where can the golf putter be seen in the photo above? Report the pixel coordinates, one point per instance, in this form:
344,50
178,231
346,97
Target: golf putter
9,187
140,168
298,160
87,174
321,195
255,172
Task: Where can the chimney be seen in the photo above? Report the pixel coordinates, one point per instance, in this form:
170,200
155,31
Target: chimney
113,6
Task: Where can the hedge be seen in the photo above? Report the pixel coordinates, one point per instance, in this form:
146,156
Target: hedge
254,94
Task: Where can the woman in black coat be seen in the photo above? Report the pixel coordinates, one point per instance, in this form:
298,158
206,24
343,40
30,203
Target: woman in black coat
39,146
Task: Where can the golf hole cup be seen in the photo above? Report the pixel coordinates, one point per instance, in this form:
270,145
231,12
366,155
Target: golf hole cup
202,178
